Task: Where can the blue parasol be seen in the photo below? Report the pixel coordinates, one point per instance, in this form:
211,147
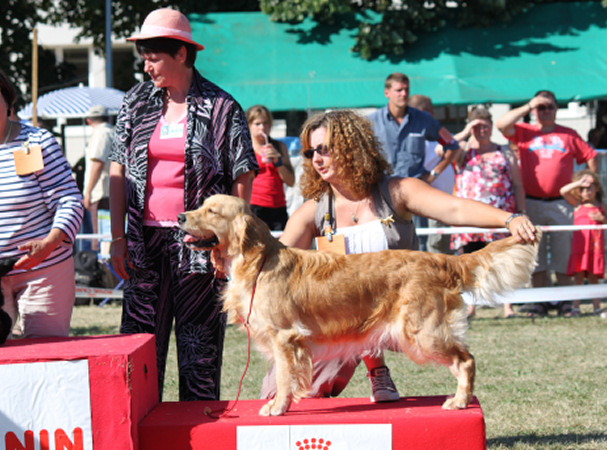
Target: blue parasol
74,102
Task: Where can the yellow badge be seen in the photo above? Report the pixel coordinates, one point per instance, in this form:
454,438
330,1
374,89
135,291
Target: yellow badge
337,244
28,160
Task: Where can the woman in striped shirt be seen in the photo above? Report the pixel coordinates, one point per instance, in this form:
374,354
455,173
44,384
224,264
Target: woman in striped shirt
40,213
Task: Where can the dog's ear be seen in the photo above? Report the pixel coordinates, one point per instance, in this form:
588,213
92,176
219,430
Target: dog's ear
238,232
249,232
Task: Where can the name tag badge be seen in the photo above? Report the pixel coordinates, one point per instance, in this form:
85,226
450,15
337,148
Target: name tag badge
28,160
337,244
172,131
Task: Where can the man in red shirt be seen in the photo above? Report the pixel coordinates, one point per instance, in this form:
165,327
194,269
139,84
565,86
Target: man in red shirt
546,155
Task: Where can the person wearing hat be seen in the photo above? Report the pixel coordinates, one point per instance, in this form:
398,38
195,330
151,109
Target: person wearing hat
96,190
179,138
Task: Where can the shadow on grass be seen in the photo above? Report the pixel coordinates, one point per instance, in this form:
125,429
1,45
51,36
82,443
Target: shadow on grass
549,441
93,331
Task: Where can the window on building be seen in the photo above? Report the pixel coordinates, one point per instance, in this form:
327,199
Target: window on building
124,68
78,58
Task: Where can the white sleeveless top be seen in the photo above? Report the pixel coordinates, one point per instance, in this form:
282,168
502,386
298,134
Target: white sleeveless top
365,238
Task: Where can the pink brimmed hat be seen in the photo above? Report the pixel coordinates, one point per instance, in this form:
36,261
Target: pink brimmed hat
166,23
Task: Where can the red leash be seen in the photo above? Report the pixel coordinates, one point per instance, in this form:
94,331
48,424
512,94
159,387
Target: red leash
207,410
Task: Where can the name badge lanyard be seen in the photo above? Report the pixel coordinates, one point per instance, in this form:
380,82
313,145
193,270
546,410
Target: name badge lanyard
329,228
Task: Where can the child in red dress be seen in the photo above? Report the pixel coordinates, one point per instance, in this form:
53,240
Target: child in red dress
587,258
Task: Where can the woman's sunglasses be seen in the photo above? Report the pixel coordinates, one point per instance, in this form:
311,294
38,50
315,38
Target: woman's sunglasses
322,150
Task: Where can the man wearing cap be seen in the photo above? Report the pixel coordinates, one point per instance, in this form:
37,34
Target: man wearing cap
179,139
96,190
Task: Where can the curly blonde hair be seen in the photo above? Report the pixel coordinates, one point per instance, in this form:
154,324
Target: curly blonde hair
354,150
600,194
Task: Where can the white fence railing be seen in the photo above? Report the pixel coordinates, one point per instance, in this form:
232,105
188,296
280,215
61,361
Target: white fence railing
530,295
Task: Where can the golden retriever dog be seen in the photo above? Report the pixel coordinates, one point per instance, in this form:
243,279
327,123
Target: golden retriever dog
302,305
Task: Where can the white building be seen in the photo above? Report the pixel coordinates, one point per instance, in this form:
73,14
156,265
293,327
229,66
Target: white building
91,69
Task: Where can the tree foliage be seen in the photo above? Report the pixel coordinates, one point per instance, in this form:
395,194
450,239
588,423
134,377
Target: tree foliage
388,27
383,27
17,19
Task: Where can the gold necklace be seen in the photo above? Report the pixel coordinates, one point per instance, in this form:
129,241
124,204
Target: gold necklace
354,214
8,135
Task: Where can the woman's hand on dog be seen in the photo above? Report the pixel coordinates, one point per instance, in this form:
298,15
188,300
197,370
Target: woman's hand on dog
522,229
219,265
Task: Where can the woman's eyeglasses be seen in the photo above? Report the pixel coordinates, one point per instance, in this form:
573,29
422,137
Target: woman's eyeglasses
322,150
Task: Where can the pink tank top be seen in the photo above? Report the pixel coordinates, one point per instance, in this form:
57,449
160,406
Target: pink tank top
164,195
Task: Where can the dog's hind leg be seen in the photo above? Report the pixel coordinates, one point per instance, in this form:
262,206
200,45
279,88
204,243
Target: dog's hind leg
440,338
463,368
293,361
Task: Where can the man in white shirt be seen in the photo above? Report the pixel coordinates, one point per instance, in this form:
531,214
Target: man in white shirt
96,188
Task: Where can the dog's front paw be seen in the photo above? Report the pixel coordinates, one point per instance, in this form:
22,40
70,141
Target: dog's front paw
272,409
454,403
265,410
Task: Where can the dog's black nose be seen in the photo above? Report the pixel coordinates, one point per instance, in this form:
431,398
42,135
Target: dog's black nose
181,218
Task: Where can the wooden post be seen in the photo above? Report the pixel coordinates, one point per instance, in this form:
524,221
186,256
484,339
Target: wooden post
34,76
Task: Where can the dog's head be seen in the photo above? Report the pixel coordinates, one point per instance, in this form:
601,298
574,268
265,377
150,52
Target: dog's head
225,225
210,226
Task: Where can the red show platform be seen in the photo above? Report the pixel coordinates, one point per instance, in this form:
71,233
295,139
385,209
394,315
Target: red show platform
122,377
417,422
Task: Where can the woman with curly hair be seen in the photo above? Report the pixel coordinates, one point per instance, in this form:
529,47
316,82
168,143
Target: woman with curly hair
354,206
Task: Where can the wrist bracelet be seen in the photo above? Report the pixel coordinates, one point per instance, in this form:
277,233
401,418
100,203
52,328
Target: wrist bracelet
117,239
513,216
278,163
433,173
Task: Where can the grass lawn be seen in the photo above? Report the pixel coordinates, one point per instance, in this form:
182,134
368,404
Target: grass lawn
542,383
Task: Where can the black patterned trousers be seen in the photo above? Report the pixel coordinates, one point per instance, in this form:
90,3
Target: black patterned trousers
160,292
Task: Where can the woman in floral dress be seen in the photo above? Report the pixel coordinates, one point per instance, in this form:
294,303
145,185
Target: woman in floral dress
489,173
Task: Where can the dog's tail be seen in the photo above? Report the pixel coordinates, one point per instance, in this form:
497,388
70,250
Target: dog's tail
500,267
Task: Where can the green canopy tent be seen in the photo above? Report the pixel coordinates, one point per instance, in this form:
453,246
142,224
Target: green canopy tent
557,46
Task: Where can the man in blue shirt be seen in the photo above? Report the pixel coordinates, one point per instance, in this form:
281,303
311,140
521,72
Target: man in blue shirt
403,132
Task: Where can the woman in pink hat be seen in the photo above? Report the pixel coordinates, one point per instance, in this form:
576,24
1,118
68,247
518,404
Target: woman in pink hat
179,139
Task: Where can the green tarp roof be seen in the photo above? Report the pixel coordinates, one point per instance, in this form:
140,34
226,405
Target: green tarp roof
557,46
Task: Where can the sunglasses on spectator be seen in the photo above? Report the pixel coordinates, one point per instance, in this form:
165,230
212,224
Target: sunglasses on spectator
322,150
546,108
